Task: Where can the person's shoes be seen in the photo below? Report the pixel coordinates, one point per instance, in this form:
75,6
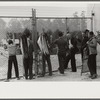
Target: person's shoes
23,77
7,80
26,78
43,75
50,74
61,72
94,76
18,78
33,74
73,71
31,78
90,76
65,68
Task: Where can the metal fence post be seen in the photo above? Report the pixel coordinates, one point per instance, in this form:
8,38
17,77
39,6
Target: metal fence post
66,25
34,39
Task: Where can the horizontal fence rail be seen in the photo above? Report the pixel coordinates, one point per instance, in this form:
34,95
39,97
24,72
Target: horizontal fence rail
46,17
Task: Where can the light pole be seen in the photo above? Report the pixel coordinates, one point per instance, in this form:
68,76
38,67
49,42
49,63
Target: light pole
92,20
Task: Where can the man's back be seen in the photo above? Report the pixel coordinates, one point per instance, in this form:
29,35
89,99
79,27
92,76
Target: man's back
62,44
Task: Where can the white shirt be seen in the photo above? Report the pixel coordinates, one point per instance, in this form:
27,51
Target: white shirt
70,45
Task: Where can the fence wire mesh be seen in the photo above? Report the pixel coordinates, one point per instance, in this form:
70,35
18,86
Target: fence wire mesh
10,26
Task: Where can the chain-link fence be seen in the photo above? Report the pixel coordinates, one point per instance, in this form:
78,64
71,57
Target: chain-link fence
13,28
75,26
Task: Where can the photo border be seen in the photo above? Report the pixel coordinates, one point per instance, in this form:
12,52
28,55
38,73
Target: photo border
75,86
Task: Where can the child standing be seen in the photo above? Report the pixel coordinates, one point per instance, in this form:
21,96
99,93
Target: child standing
12,59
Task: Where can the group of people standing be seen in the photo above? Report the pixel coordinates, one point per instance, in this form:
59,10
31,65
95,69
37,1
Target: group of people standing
67,48
89,45
27,49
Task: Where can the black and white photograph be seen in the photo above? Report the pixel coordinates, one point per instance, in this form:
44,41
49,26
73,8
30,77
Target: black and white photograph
49,41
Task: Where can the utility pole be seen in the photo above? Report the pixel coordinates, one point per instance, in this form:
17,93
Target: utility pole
92,21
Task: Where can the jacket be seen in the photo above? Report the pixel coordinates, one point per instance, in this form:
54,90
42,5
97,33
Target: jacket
92,45
62,45
74,43
26,49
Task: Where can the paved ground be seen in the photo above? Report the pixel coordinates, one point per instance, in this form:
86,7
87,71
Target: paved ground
68,76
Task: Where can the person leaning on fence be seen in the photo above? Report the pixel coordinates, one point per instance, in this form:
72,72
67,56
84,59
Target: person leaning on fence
12,60
46,54
27,52
62,49
92,45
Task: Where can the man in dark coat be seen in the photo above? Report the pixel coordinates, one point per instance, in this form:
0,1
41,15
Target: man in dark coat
62,45
27,52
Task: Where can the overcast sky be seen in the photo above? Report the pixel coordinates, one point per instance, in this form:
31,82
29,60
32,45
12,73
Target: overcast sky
59,9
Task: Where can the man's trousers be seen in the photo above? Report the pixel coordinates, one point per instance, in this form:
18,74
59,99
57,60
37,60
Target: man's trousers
46,57
92,64
28,62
